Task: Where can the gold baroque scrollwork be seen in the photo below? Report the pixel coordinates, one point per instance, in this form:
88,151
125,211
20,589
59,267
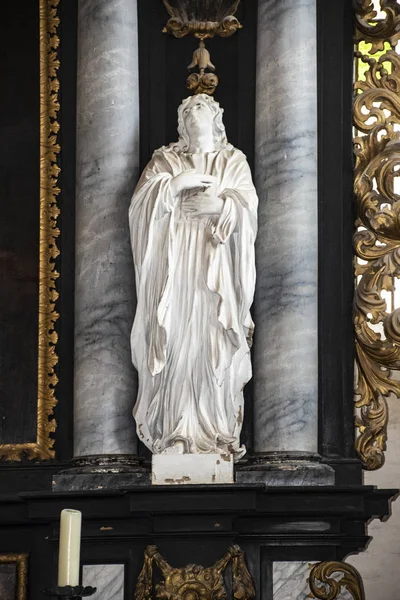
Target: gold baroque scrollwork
193,581
377,238
203,18
376,32
42,448
325,586
21,562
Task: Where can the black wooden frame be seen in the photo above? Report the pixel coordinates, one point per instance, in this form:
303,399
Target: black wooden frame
336,224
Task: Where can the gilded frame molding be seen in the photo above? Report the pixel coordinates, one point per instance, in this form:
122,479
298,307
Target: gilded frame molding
21,561
42,448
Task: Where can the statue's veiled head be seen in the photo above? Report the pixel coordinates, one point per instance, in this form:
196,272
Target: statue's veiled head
200,115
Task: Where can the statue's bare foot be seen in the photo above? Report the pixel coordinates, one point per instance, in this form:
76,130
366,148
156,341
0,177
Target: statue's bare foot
176,448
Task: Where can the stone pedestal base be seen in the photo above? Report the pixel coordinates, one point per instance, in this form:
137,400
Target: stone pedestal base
287,471
111,472
184,469
81,482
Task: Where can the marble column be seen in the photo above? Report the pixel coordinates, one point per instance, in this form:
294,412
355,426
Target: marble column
285,360
286,343
107,171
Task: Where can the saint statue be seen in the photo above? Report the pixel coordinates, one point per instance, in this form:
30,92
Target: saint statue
193,223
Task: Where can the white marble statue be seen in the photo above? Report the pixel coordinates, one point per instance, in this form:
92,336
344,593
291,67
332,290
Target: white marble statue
193,223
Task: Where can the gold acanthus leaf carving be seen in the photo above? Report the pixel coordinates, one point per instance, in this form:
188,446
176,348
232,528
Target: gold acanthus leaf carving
193,581
377,31
204,19
324,586
377,238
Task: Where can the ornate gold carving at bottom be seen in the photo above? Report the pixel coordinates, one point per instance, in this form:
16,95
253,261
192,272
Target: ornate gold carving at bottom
21,560
194,582
325,587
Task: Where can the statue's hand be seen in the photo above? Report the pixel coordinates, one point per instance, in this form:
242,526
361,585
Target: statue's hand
201,205
189,180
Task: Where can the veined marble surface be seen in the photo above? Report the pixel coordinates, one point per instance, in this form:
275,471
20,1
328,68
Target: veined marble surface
290,581
107,169
108,579
286,344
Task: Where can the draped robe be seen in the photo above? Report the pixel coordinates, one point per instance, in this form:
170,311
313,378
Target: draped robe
195,280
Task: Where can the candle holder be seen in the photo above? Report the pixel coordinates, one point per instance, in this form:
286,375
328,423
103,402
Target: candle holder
68,592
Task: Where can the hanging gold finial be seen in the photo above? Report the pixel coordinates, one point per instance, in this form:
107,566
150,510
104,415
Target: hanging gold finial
202,83
204,19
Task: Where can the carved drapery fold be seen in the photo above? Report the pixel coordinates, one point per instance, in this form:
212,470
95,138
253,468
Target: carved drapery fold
377,237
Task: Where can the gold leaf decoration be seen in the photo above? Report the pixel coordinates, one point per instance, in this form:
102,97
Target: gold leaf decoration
194,581
42,448
377,238
21,562
377,31
326,587
204,18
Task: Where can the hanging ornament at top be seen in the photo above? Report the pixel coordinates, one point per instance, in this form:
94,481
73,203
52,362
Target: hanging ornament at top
204,19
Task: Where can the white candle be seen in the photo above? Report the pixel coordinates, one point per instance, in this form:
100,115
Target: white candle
70,547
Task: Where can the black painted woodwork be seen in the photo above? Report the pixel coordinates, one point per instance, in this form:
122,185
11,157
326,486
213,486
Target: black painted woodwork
193,524
335,223
19,222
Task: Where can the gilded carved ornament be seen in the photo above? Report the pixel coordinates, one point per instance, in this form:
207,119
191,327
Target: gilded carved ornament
42,448
204,19
194,582
377,237
326,585
21,563
373,31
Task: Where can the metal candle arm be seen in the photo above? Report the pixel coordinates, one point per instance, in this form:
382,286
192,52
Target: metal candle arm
68,592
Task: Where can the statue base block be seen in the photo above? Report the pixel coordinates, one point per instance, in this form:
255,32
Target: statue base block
191,469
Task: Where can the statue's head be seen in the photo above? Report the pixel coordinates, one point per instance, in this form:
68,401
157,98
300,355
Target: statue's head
197,114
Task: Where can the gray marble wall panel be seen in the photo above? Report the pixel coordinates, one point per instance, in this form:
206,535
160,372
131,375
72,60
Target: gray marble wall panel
108,579
285,307
107,170
290,581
